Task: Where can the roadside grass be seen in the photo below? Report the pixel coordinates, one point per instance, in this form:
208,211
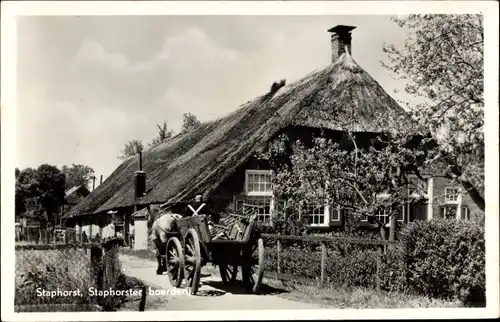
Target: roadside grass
356,297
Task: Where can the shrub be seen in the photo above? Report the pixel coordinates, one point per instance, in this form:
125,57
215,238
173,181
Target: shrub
288,227
392,271
353,269
347,265
440,258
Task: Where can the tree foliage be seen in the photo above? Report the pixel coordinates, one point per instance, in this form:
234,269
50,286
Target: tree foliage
40,191
78,175
189,122
442,62
163,133
131,148
361,179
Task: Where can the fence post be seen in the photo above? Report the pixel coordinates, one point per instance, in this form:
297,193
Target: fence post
323,262
142,303
96,255
379,264
278,250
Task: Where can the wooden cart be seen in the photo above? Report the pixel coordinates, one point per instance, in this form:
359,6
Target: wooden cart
192,246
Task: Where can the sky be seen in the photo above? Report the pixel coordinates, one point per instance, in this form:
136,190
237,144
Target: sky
89,84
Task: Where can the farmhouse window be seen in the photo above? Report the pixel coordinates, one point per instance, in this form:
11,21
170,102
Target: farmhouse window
336,213
317,213
451,195
382,215
449,212
258,191
258,182
465,213
263,208
403,213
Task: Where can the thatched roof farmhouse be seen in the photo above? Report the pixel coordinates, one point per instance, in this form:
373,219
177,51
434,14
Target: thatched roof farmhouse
216,159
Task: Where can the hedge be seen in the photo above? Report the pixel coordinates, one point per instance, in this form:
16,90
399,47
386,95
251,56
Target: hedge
345,265
439,258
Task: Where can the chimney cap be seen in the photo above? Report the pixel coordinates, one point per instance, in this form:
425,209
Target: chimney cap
341,29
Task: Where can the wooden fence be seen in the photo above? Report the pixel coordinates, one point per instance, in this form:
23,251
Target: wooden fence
381,245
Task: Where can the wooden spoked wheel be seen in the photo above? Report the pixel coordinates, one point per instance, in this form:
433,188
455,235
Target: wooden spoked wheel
192,260
175,262
228,273
253,270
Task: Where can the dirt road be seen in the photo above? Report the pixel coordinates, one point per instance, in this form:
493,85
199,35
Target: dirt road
212,294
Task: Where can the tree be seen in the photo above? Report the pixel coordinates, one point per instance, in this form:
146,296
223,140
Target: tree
163,134
51,183
189,122
25,188
442,62
41,191
362,179
78,175
131,148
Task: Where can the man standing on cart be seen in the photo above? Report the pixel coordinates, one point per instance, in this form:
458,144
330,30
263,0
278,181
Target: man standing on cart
199,207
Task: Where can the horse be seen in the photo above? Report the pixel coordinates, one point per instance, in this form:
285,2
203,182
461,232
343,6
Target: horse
162,223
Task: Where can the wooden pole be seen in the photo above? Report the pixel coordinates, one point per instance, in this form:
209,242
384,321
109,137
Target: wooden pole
79,231
61,214
379,264
100,228
278,251
101,180
93,183
392,230
323,262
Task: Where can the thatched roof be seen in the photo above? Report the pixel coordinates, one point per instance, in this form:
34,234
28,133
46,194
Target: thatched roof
74,194
340,97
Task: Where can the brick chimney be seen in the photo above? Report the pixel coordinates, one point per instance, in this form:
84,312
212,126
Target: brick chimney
341,40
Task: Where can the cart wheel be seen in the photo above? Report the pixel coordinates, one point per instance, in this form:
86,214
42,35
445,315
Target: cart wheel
253,270
193,260
228,273
175,262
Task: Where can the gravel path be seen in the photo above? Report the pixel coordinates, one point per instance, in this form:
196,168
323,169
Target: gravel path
212,294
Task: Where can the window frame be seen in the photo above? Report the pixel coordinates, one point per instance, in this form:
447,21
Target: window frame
386,221
326,214
257,172
271,207
446,195
449,207
336,210
250,194
466,213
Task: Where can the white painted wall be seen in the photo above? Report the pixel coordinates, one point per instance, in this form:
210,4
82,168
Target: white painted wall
108,231
141,234
86,229
430,196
